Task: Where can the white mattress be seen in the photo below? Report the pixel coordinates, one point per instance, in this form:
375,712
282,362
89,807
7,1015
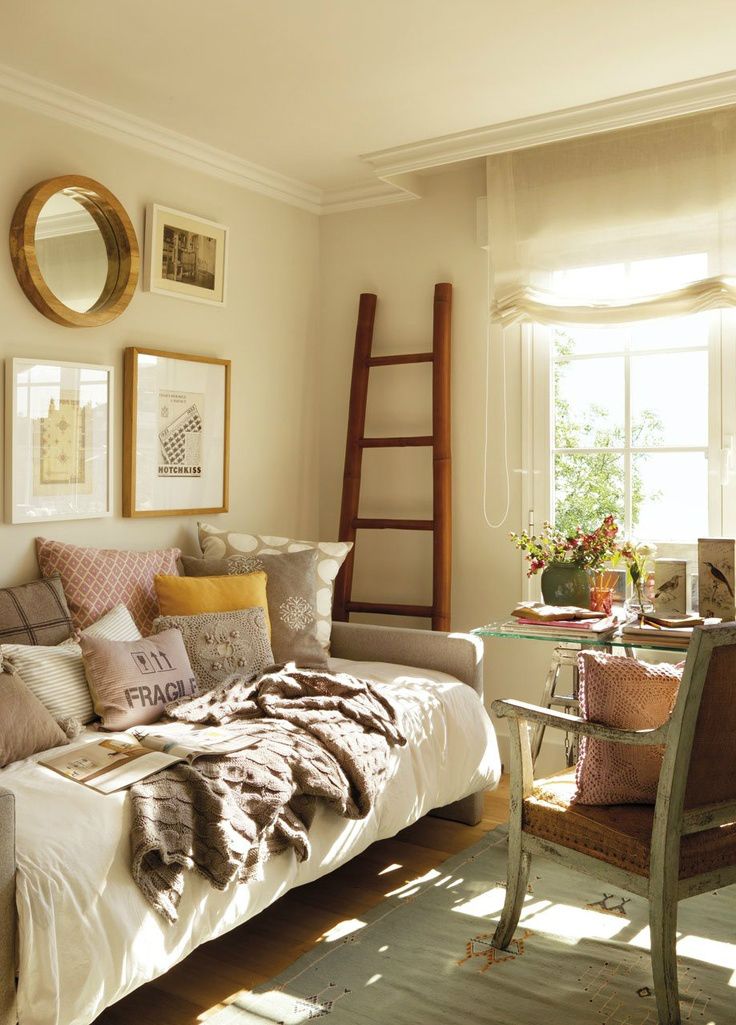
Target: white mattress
88,937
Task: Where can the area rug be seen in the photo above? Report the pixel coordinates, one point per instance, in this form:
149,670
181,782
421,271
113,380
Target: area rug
580,956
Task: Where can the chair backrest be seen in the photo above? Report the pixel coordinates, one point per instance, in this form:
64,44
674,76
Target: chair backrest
700,757
711,774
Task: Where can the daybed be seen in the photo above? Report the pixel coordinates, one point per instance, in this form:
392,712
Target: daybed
78,932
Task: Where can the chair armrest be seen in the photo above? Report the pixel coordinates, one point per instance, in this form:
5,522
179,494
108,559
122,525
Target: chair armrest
459,655
7,909
510,709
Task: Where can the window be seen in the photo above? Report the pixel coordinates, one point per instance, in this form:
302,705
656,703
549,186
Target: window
630,419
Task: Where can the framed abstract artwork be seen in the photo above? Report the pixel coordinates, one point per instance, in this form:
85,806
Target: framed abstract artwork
185,256
176,433
59,440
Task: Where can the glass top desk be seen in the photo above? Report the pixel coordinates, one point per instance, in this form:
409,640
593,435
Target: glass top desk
565,653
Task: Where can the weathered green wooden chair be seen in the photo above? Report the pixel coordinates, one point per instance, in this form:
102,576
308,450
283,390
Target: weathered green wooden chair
683,846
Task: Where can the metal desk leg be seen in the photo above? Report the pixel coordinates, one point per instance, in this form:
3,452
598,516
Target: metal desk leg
563,655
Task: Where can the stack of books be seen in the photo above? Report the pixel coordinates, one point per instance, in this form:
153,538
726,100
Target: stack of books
674,631
537,620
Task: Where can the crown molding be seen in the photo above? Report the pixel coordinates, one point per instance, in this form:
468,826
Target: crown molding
605,115
43,97
397,169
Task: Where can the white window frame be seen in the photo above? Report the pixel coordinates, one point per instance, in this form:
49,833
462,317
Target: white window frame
537,442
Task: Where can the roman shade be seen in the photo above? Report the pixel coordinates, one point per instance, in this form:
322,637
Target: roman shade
634,195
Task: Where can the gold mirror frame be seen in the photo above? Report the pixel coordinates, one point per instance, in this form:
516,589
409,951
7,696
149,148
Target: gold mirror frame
121,244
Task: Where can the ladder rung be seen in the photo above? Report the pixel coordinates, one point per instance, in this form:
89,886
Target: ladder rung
393,361
422,440
383,524
423,611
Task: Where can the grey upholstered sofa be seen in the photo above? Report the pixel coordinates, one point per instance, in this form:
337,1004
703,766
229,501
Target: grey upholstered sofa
458,655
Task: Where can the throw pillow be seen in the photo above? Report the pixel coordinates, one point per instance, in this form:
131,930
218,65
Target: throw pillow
131,682
188,596
220,644
97,579
631,695
25,726
55,675
291,591
35,613
218,544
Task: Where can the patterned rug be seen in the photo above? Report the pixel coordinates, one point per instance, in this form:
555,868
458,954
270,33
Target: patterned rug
580,956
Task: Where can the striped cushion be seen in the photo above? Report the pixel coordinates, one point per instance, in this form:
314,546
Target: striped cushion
56,674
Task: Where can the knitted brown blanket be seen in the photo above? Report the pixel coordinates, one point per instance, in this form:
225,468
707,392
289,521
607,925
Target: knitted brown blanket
309,735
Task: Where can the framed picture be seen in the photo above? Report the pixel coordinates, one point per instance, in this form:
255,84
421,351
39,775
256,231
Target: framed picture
185,256
176,440
58,439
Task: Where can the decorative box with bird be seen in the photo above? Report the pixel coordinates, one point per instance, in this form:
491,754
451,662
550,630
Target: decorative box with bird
670,587
716,560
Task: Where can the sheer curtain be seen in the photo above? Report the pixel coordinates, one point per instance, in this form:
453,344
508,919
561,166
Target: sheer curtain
628,196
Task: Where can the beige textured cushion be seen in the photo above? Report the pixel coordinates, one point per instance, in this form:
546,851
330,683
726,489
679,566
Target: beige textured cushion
631,695
131,682
291,592
219,544
222,643
25,725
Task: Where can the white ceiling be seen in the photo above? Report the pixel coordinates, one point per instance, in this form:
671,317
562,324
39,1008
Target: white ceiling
305,87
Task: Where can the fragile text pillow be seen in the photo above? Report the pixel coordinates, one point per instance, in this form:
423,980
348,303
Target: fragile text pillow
131,682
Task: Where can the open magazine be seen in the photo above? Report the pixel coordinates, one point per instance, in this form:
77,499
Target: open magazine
122,759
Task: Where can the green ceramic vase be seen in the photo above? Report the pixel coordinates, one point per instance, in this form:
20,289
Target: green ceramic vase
564,584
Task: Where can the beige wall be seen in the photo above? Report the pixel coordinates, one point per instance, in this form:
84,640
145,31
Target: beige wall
399,252
268,330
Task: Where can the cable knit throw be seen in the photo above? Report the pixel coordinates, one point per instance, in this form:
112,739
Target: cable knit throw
308,734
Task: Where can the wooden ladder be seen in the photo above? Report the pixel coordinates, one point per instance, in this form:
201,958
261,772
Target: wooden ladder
439,440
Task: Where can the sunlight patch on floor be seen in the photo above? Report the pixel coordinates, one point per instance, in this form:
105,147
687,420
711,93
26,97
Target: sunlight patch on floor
389,868
571,924
488,903
413,886
342,929
374,978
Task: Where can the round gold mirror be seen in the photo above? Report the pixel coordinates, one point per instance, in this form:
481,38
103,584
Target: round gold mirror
74,251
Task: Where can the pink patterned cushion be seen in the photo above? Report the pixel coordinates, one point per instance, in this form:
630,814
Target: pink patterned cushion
95,580
630,695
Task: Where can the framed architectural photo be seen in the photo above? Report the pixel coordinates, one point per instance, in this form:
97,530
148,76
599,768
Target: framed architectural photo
185,256
58,440
176,433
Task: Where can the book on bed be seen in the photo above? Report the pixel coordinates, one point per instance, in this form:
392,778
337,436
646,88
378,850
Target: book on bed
122,759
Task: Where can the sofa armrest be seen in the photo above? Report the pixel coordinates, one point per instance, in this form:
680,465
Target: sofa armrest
459,655
7,909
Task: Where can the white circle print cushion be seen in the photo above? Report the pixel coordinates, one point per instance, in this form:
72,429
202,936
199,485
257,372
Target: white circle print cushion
328,569
323,601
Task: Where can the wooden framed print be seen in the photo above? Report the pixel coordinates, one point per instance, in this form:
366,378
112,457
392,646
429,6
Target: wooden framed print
176,441
185,256
58,438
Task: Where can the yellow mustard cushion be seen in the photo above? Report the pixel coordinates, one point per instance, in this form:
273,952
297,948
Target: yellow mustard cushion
188,596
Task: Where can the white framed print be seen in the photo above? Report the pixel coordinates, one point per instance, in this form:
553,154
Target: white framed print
58,440
176,433
185,256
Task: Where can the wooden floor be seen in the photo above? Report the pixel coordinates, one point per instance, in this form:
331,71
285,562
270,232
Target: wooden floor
215,973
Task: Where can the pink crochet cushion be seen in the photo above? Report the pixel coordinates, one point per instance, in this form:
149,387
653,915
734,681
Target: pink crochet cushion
631,695
95,580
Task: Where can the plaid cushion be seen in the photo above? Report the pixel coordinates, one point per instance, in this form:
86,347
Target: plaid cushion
35,613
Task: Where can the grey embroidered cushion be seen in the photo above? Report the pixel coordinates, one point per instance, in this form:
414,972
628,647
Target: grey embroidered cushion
219,544
291,592
131,682
222,643
25,725
35,613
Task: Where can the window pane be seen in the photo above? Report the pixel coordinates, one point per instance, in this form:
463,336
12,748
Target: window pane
580,341
670,495
587,488
669,400
589,403
672,332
